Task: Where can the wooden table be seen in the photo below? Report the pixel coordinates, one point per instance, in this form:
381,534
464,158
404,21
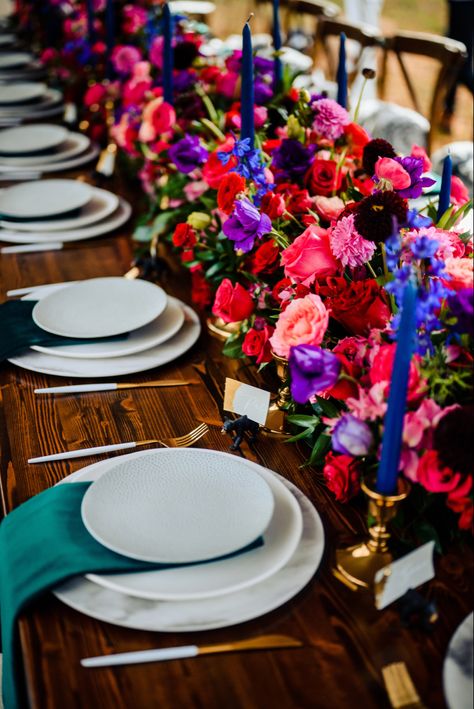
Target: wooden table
346,641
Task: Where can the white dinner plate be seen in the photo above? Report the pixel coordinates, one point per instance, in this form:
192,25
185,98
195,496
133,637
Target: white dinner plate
105,226
7,39
51,98
101,205
229,575
44,198
35,138
207,613
177,506
459,666
75,144
12,60
100,307
117,366
161,329
13,94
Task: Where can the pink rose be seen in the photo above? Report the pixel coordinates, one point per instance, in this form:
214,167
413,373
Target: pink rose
461,272
309,257
459,192
433,477
328,207
303,322
392,172
158,118
418,152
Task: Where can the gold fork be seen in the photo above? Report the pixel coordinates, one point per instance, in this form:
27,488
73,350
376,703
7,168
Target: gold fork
178,442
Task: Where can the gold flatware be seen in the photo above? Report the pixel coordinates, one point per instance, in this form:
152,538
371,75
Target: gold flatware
115,386
400,688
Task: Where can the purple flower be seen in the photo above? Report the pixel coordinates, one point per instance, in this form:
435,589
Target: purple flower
246,224
414,167
330,118
350,436
292,160
188,153
263,92
312,370
424,247
461,305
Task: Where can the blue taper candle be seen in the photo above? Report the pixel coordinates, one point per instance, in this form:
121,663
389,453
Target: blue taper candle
342,73
90,21
247,91
445,191
277,66
167,55
387,475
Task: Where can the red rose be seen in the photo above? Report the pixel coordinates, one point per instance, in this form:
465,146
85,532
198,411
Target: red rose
323,177
200,289
273,205
278,287
209,74
344,388
359,306
299,202
184,236
381,371
232,303
460,502
230,186
265,259
256,344
342,474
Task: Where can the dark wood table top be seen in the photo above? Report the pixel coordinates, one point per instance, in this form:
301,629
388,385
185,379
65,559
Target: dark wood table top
346,641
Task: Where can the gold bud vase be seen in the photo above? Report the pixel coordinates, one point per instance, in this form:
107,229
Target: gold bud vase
220,329
276,425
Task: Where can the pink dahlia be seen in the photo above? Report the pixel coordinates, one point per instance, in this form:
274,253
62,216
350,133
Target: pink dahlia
330,118
124,57
348,245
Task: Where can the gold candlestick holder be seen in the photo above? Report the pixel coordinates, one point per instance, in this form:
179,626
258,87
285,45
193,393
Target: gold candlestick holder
357,565
276,425
221,330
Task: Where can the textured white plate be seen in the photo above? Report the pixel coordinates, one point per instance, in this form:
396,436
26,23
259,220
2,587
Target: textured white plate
103,227
178,506
31,139
206,580
100,307
458,667
204,614
19,93
75,144
10,60
100,206
59,166
163,328
51,98
44,198
117,366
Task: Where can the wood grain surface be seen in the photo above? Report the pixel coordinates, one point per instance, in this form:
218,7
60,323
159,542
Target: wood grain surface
346,641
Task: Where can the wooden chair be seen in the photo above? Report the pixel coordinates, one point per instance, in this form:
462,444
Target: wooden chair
295,8
450,55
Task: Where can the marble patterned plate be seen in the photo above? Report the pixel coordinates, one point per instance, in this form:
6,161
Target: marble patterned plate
207,613
458,667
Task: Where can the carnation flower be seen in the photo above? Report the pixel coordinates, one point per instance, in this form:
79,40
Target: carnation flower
348,245
373,150
374,215
330,118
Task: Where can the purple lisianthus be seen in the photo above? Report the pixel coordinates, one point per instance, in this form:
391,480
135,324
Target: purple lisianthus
262,92
292,160
246,224
312,371
414,167
188,153
350,436
461,305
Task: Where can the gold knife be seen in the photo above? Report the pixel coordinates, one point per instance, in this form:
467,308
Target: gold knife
113,386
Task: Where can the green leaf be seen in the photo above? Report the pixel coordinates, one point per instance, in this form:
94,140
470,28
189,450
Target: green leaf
327,407
233,346
143,233
214,269
160,222
320,448
307,433
303,420
206,255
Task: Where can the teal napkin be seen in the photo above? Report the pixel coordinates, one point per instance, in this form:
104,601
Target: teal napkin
43,543
18,331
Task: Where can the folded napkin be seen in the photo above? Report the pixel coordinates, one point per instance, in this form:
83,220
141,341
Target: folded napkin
19,331
43,543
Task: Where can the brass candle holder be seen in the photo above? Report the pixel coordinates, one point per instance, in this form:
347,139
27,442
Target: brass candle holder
357,565
220,329
276,425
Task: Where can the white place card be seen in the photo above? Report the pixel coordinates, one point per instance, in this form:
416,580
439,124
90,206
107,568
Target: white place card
244,399
410,571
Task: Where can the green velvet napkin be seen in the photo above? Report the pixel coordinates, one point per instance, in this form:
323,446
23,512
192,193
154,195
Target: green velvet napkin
18,331
43,543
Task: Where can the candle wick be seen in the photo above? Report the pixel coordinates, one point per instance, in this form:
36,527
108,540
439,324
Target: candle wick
252,14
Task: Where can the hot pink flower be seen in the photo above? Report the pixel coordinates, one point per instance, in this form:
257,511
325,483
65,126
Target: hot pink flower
418,152
461,272
459,192
309,256
392,173
158,118
94,94
381,372
348,245
134,18
156,52
450,245
195,189
435,478
303,322
124,57
226,84
330,118
328,207
418,425
370,405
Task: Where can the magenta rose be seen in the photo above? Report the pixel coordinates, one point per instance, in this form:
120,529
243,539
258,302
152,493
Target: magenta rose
342,475
232,303
434,476
303,322
309,257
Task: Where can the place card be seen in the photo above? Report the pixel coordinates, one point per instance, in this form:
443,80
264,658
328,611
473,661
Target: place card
411,571
243,399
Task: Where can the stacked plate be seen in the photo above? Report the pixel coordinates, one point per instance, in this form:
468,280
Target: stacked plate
58,210
151,328
42,147
187,509
18,65
28,100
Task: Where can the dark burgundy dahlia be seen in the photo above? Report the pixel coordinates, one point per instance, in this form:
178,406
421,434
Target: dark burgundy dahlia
373,150
374,215
452,438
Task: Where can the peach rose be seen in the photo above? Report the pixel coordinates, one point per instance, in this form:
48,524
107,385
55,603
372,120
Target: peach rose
158,118
303,322
461,272
309,257
328,207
